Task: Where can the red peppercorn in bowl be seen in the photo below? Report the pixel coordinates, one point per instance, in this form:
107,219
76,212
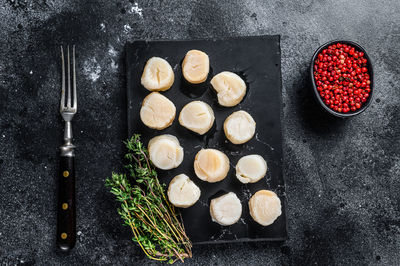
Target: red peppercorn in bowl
342,78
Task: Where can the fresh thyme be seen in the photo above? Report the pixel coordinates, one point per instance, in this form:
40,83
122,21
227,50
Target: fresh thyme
155,224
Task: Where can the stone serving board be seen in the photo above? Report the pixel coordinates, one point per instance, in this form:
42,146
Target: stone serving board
258,61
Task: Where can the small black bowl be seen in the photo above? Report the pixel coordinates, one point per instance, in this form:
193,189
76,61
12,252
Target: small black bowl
370,72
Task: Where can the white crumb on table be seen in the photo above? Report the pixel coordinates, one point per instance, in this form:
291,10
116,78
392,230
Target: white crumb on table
113,64
102,27
111,51
135,9
91,69
127,28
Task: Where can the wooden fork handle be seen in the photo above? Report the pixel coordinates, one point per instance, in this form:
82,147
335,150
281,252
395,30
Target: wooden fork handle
66,216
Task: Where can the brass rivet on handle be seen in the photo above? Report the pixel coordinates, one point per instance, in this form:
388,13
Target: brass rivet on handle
65,173
64,235
64,206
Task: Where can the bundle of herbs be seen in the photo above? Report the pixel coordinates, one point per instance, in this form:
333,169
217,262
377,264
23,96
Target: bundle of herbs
155,224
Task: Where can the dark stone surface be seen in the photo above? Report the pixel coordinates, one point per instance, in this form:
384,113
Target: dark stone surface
247,57
342,176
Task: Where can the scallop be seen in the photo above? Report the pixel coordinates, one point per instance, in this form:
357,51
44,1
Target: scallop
239,127
211,165
265,207
157,111
197,116
251,168
183,192
230,88
157,75
226,209
195,66
165,152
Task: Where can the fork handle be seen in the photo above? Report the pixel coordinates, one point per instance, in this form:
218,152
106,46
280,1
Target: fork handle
66,216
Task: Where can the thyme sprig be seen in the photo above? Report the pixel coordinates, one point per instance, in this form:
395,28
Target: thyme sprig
155,224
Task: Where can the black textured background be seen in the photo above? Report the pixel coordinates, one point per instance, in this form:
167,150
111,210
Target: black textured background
342,176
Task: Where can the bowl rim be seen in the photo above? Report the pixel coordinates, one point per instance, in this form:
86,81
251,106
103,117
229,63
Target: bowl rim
370,72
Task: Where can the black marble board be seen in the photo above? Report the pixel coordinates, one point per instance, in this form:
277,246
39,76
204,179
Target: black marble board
257,61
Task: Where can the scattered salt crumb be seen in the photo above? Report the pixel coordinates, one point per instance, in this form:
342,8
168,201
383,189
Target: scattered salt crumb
113,64
31,72
127,28
45,167
81,131
79,233
136,9
102,27
4,136
92,69
225,231
203,203
246,192
112,51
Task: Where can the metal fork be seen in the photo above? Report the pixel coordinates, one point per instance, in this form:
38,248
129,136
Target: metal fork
66,216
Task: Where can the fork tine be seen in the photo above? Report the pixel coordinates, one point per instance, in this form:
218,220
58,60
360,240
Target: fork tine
75,103
62,103
69,81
